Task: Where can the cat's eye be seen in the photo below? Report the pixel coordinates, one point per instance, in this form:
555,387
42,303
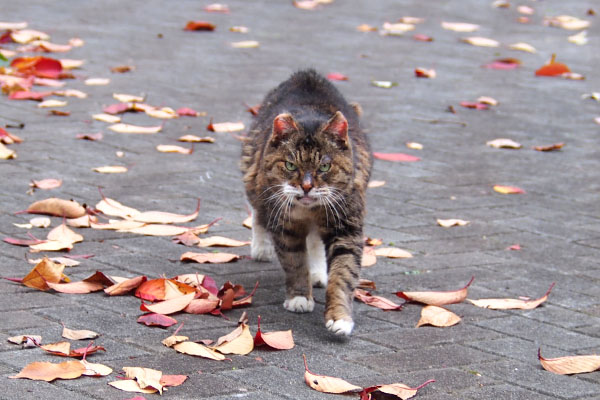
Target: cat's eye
290,166
325,167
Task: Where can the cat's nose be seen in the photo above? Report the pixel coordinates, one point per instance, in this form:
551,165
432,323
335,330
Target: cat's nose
307,182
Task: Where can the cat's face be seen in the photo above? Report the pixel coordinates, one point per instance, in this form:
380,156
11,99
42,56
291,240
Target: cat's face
308,170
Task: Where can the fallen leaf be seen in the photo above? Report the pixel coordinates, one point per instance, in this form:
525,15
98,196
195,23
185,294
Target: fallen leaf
9,138
125,286
187,112
279,340
127,98
199,26
57,207
12,26
511,304
366,284
480,41
202,306
63,349
47,371
551,147
52,103
422,38
40,222
172,380
29,95
399,390
368,257
487,100
514,247
474,105
224,127
90,136
210,258
121,69
135,129
579,39
196,139
570,364
162,113
145,377
503,143
163,289
503,64
245,44
437,316
96,81
221,241
375,184
567,22
376,301
520,46
197,349
62,233
460,26
81,334
130,385
68,63
169,148
111,119
247,223
553,68
6,153
327,384
169,306
51,245
153,319
42,67
395,157
414,145
425,73
173,340
508,189
447,223
240,341
160,217
392,252
46,184
157,230
94,369
396,29
336,76
110,169
44,272
26,340
438,298
384,84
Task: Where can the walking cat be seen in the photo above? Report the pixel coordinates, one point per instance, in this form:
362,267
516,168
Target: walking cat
306,166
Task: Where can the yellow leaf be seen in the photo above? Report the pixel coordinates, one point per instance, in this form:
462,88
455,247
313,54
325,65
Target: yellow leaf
240,342
197,349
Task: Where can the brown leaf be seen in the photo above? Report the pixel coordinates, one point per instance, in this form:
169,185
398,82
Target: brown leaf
125,286
511,304
145,377
327,384
78,334
160,217
210,258
46,184
199,26
239,341
552,147
43,272
437,316
197,349
169,306
62,233
399,390
47,371
130,385
570,364
368,257
279,340
376,301
173,340
437,298
57,208
221,241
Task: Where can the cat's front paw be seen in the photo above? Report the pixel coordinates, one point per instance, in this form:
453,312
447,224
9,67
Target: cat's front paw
299,304
341,327
262,251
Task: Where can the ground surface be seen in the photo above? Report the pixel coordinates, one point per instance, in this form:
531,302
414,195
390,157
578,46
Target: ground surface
489,355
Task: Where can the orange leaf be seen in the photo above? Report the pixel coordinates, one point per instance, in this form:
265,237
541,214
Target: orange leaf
437,298
47,371
553,68
437,316
511,304
172,380
162,289
552,147
57,207
125,286
45,271
376,301
169,306
570,364
279,340
508,189
211,258
327,384
199,26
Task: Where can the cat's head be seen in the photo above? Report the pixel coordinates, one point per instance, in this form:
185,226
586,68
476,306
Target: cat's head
309,164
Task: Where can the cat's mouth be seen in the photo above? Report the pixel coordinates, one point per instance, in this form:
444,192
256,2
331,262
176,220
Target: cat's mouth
306,200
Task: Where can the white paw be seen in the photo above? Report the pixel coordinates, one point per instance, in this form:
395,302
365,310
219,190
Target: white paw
341,327
299,304
318,278
262,251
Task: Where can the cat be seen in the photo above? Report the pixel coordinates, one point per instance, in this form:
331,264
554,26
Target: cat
306,164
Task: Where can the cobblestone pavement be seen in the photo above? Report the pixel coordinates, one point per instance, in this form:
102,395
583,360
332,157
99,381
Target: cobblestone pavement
488,355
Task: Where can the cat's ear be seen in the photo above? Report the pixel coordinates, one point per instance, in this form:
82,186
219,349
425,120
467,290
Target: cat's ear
337,128
283,126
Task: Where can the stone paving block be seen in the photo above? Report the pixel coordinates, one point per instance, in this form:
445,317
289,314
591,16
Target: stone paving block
508,392
20,389
514,348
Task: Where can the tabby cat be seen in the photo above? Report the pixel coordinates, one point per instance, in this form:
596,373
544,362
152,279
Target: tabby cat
306,166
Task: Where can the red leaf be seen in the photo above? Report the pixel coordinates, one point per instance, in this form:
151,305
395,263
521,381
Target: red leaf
422,38
396,157
153,319
42,67
22,242
28,95
553,68
503,64
118,108
199,26
336,76
172,380
280,340
376,301
474,105
188,112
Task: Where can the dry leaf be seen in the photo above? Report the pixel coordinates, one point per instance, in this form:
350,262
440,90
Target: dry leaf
425,73
503,143
327,384
145,377
196,139
570,364
169,306
245,44
130,385
579,39
508,189
414,145
135,129
62,233
169,148
210,258
240,341
551,147
384,84
511,304
395,157
78,334
125,286
97,81
40,222
437,298
153,319
437,316
197,349
57,208
221,241
522,47
94,369
173,340
376,301
6,153
447,223
111,119
375,184
225,127
51,245
392,252
396,29
163,289
567,22
172,380
46,184
161,113
279,340
71,93
44,272
111,169
26,340
399,390
113,208
199,26
47,371
128,98
368,257
460,26
481,41
160,217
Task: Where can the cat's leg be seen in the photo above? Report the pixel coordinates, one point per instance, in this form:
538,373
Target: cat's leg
344,256
291,250
317,262
261,247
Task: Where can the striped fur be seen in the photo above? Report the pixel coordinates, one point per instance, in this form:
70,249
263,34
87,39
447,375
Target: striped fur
306,166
